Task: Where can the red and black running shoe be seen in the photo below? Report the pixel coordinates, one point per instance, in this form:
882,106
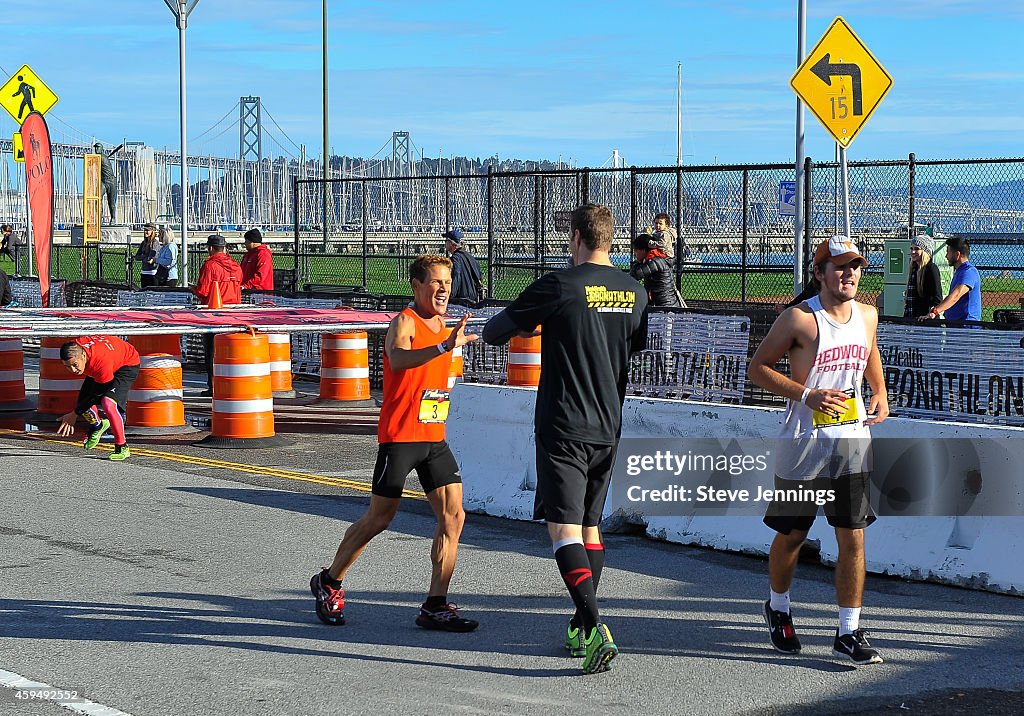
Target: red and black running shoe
330,601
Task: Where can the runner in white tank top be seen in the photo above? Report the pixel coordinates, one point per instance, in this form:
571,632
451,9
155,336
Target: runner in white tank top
830,342
818,444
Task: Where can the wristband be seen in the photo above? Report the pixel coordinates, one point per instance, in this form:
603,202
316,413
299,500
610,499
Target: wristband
803,397
441,348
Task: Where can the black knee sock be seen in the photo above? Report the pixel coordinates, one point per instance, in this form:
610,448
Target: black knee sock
579,580
595,555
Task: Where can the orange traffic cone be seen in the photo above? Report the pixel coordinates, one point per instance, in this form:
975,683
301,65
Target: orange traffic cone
215,300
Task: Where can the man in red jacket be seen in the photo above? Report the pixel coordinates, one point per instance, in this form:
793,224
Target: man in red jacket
221,268
257,264
110,366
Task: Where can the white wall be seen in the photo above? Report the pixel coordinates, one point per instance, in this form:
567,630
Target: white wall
491,432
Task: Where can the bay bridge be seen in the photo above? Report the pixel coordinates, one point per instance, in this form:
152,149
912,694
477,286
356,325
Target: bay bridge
274,183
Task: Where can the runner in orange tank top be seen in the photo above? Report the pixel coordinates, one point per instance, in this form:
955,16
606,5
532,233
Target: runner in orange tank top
417,357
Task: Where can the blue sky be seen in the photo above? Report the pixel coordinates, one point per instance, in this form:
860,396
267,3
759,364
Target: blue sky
526,79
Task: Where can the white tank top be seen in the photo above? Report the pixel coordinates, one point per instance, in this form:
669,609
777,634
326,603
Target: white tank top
814,444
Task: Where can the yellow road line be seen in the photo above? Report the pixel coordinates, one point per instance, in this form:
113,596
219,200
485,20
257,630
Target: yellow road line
225,465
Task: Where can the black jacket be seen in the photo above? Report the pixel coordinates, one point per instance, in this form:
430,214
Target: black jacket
5,289
920,303
465,276
656,275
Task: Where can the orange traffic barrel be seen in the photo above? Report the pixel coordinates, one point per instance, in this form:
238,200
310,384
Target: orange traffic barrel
281,365
524,361
345,369
154,401
243,402
58,387
12,376
455,372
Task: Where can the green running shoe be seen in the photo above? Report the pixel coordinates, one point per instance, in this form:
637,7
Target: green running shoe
93,439
120,453
601,650
574,641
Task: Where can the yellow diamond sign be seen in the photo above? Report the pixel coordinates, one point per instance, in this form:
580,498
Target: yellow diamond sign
25,92
841,82
19,148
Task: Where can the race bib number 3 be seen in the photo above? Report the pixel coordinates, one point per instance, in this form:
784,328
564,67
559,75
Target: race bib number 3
434,406
849,415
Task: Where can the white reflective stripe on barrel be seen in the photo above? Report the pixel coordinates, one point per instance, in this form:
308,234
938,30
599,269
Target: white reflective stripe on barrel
7,344
243,406
280,366
151,396
58,386
49,353
241,370
345,373
524,358
344,344
278,338
6,375
160,362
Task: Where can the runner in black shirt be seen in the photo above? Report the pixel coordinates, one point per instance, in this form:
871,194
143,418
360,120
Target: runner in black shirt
593,316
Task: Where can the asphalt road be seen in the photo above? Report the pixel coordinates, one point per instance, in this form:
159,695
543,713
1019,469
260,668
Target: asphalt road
176,583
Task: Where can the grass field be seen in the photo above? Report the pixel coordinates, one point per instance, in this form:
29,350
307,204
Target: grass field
388,275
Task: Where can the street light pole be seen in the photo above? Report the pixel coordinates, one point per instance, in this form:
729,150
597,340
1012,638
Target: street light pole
181,9
325,187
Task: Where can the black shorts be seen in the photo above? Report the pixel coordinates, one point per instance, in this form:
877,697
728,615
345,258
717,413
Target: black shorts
851,508
117,389
433,462
572,481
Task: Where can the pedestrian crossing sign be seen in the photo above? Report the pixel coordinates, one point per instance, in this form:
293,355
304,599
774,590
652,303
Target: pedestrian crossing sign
24,93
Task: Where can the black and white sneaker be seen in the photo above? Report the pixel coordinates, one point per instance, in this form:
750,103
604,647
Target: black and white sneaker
856,648
781,630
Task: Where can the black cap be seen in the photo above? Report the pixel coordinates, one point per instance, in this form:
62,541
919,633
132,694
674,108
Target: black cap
216,240
254,236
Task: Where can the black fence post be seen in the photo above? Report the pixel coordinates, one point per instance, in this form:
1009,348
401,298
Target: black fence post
808,213
490,230
363,214
911,181
632,207
743,249
538,200
679,227
585,187
447,204
295,223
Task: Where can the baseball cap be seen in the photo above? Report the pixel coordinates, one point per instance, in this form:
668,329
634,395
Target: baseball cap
149,225
216,240
254,236
839,250
453,235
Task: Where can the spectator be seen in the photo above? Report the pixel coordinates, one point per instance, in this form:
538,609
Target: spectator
146,255
964,300
651,267
6,234
467,282
220,268
667,237
924,286
167,258
257,264
6,295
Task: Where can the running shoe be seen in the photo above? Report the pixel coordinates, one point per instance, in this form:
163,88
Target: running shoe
600,650
93,438
781,631
446,618
856,648
120,453
330,601
574,641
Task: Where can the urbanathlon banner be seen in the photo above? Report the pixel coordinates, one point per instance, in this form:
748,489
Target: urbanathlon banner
971,375
39,173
